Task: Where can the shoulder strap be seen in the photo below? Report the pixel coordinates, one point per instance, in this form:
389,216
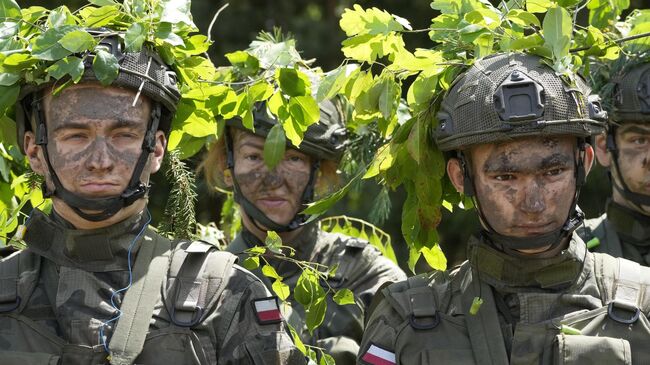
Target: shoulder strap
139,301
622,284
483,327
197,276
18,277
600,236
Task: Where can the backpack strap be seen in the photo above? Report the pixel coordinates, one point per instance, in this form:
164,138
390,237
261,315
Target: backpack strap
197,276
139,301
488,344
622,284
18,278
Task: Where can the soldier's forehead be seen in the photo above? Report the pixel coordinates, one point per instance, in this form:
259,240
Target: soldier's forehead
642,128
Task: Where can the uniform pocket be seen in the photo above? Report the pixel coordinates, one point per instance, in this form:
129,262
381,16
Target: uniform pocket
576,349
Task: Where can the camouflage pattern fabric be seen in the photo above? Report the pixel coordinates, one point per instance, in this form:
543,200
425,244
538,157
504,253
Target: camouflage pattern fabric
67,278
362,269
540,311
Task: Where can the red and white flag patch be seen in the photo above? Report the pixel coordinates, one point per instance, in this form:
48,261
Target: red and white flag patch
375,355
267,310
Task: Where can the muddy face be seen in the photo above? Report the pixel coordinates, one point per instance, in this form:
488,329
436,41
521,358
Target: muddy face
278,192
525,187
633,142
95,137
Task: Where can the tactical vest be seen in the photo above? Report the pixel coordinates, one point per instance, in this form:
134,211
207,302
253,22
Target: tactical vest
193,276
615,331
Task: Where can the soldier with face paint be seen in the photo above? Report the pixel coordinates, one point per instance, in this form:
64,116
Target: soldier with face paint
530,292
624,230
273,200
97,285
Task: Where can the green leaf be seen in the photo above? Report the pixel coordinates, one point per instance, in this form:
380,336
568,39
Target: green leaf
69,66
18,62
244,63
293,82
9,9
8,97
99,17
281,289
371,21
102,2
333,81
275,54
260,91
537,6
165,33
382,161
273,241
176,11
61,16
435,257
77,41
46,46
344,296
135,37
527,42
522,18
274,146
321,206
326,359
557,29
389,98
105,66
270,272
251,263
315,314
8,79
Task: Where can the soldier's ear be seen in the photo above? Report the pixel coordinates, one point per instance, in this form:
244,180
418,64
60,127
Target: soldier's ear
604,158
588,159
455,173
33,152
158,151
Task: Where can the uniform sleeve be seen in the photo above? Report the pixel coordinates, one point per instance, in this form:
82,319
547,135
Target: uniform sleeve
377,271
253,336
380,333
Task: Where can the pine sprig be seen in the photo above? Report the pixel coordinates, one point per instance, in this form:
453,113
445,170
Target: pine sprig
179,219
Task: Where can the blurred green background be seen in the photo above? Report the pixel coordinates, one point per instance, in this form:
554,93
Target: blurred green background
314,24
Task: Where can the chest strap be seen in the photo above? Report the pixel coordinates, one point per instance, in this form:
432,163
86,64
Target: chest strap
139,301
627,292
488,345
18,277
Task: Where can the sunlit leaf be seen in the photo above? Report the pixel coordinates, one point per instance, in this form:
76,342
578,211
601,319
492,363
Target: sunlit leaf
105,66
77,41
344,296
274,146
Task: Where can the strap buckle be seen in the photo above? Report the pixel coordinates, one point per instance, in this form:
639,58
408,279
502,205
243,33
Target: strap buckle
617,304
420,322
197,313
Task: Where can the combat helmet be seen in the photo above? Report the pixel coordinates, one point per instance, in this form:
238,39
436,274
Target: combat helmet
324,140
142,71
507,96
629,100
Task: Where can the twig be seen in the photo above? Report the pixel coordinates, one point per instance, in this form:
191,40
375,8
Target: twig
617,41
214,20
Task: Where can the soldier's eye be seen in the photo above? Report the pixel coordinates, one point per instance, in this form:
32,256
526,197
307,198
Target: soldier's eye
554,172
504,177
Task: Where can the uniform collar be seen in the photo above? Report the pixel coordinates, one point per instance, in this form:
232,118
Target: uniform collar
631,226
515,273
95,250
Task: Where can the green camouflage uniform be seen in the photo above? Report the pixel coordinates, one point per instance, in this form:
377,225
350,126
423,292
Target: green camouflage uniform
619,232
361,268
535,311
67,277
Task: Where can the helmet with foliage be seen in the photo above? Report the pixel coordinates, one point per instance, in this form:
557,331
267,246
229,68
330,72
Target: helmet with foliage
325,139
631,95
506,96
127,47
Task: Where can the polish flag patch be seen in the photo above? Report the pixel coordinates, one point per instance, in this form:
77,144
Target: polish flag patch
378,356
267,310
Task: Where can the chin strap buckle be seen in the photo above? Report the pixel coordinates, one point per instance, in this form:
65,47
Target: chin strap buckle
130,195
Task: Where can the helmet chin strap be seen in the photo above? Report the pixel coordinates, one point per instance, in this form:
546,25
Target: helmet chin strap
255,215
106,207
551,239
635,198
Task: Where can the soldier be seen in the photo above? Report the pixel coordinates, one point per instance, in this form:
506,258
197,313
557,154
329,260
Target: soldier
273,200
624,230
530,292
96,284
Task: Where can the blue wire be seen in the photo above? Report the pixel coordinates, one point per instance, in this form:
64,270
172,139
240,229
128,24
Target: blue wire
102,339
